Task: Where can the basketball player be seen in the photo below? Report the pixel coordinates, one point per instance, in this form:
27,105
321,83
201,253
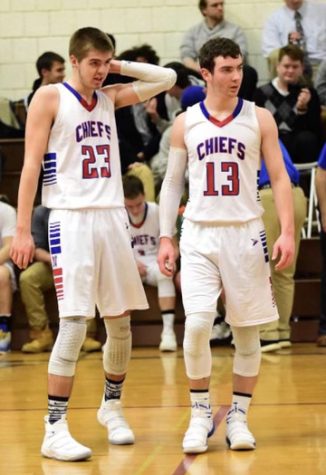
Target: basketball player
145,232
71,127
223,241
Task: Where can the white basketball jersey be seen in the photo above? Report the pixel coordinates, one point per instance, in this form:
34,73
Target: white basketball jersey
224,162
82,163
146,234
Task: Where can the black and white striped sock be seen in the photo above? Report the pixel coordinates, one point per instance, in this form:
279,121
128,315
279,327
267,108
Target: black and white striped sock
57,407
112,389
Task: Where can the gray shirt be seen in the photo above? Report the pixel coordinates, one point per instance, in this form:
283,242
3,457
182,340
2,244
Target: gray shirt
196,36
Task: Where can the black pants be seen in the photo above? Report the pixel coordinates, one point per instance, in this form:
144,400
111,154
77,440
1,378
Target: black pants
303,146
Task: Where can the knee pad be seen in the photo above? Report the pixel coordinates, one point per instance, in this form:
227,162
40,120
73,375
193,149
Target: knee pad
247,351
71,336
117,348
197,352
165,286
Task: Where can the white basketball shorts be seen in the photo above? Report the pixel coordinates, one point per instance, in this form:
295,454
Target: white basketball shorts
93,262
234,257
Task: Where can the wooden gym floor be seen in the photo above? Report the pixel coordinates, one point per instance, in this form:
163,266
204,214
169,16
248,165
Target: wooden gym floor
288,416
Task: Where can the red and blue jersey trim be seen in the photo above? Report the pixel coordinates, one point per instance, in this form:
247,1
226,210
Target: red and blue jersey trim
83,102
222,123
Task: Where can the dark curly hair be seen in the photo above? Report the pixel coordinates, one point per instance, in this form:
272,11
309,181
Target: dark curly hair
217,47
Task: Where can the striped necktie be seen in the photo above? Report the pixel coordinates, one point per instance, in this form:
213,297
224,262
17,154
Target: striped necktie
302,44
299,29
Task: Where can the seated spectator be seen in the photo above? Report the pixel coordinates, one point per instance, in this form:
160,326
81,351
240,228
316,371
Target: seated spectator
297,22
51,70
34,281
147,130
7,275
214,25
185,77
168,103
190,96
321,194
321,90
276,335
145,232
138,135
142,54
145,53
296,108
320,82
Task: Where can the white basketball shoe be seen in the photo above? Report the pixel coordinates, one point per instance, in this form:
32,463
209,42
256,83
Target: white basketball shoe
238,436
59,444
110,416
200,428
168,341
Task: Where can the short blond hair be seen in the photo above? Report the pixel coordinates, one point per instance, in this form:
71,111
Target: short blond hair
85,39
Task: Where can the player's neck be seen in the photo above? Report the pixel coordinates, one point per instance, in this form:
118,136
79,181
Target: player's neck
135,220
221,107
86,93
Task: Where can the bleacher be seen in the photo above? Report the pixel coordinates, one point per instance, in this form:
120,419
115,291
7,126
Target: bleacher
11,156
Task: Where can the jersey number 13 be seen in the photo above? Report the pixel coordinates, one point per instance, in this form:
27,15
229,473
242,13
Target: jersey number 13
231,170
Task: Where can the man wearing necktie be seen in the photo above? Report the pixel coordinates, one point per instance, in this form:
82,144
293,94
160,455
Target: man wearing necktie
301,23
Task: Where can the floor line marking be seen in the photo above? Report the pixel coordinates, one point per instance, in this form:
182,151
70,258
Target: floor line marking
188,460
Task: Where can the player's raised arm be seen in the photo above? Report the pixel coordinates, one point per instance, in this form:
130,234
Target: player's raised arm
281,186
151,80
170,196
41,114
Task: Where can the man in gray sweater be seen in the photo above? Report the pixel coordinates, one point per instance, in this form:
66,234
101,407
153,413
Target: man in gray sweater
214,25
211,26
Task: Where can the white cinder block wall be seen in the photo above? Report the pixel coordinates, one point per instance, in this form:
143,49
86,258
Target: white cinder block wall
30,27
